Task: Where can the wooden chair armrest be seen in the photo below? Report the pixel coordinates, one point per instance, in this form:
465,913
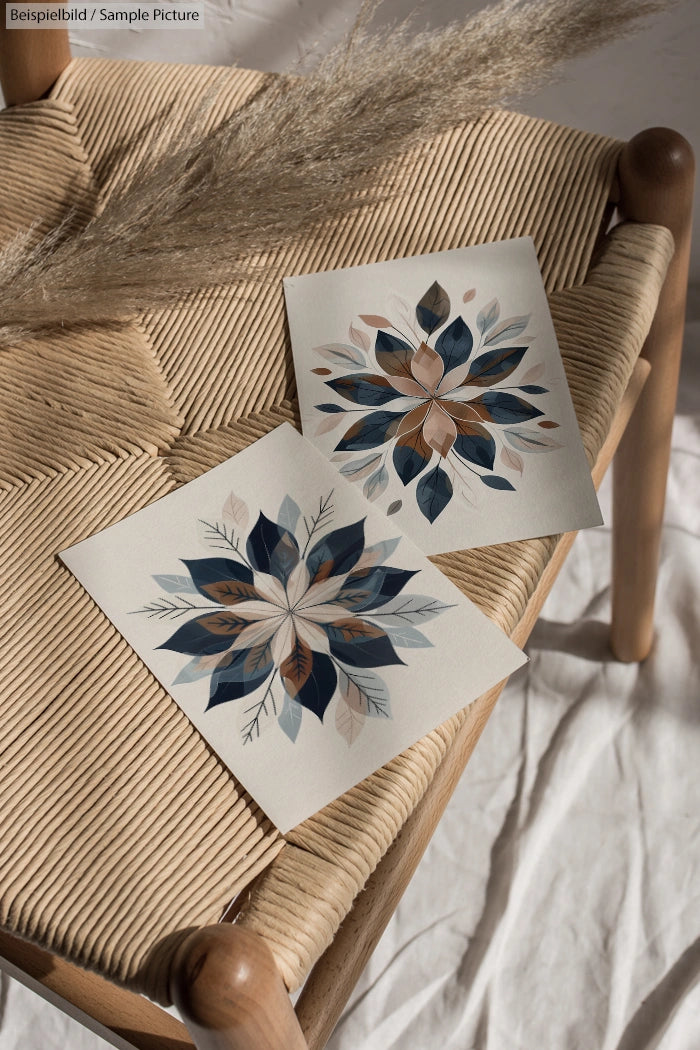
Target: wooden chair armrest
230,993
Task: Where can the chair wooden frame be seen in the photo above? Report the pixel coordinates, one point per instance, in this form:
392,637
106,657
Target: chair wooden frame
224,981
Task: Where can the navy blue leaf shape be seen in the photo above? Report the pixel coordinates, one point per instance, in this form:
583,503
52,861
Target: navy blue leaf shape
495,365
433,493
433,309
208,571
476,445
529,389
246,672
393,354
330,408
374,587
454,345
364,389
505,408
317,691
262,541
368,646
337,553
370,431
206,635
409,457
495,482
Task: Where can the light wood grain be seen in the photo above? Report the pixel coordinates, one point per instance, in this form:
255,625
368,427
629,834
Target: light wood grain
656,186
121,1017
31,60
227,987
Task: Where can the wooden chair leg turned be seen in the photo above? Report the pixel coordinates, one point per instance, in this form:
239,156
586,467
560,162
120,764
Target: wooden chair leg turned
656,186
31,60
230,994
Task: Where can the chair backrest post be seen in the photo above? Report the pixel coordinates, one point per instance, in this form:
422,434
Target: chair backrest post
657,174
31,60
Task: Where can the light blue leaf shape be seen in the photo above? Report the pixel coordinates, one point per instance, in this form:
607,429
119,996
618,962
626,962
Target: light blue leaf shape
530,440
376,483
359,468
289,720
407,637
487,317
191,673
509,329
364,691
289,514
341,354
414,608
176,584
379,552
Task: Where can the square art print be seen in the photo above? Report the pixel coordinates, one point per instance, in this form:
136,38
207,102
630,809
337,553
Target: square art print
306,639
435,384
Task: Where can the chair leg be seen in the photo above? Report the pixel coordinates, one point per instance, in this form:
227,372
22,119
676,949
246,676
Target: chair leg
656,186
230,994
31,60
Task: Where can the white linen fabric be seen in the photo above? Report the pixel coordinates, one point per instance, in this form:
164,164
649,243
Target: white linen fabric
558,905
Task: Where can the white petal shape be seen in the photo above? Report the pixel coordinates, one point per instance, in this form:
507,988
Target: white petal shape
322,592
324,613
208,662
312,635
270,589
257,633
283,641
455,377
297,584
259,610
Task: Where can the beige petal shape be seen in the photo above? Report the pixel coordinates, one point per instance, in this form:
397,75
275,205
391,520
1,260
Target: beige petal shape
258,632
321,592
324,613
270,589
297,584
427,367
283,642
461,410
454,378
312,635
413,419
439,430
407,386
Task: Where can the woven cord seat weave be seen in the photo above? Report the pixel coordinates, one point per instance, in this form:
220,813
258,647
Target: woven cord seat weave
119,829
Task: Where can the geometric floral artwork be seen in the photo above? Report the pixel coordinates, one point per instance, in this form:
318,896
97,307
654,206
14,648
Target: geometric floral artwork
293,612
302,634
453,402
444,406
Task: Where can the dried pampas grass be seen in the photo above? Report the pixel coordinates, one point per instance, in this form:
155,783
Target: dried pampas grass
199,212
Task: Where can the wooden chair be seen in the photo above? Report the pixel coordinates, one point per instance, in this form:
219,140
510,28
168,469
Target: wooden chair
123,839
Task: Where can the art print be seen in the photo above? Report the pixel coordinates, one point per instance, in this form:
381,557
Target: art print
450,407
306,639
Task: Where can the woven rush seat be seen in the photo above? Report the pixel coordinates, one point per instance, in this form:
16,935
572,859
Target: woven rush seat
121,831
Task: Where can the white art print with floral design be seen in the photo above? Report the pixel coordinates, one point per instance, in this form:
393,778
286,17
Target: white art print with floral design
304,637
435,384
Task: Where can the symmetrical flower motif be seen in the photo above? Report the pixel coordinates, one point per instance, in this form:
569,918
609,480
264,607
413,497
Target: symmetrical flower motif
445,402
314,618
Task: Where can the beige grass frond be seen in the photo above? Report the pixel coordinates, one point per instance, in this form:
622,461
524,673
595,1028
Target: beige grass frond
301,152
